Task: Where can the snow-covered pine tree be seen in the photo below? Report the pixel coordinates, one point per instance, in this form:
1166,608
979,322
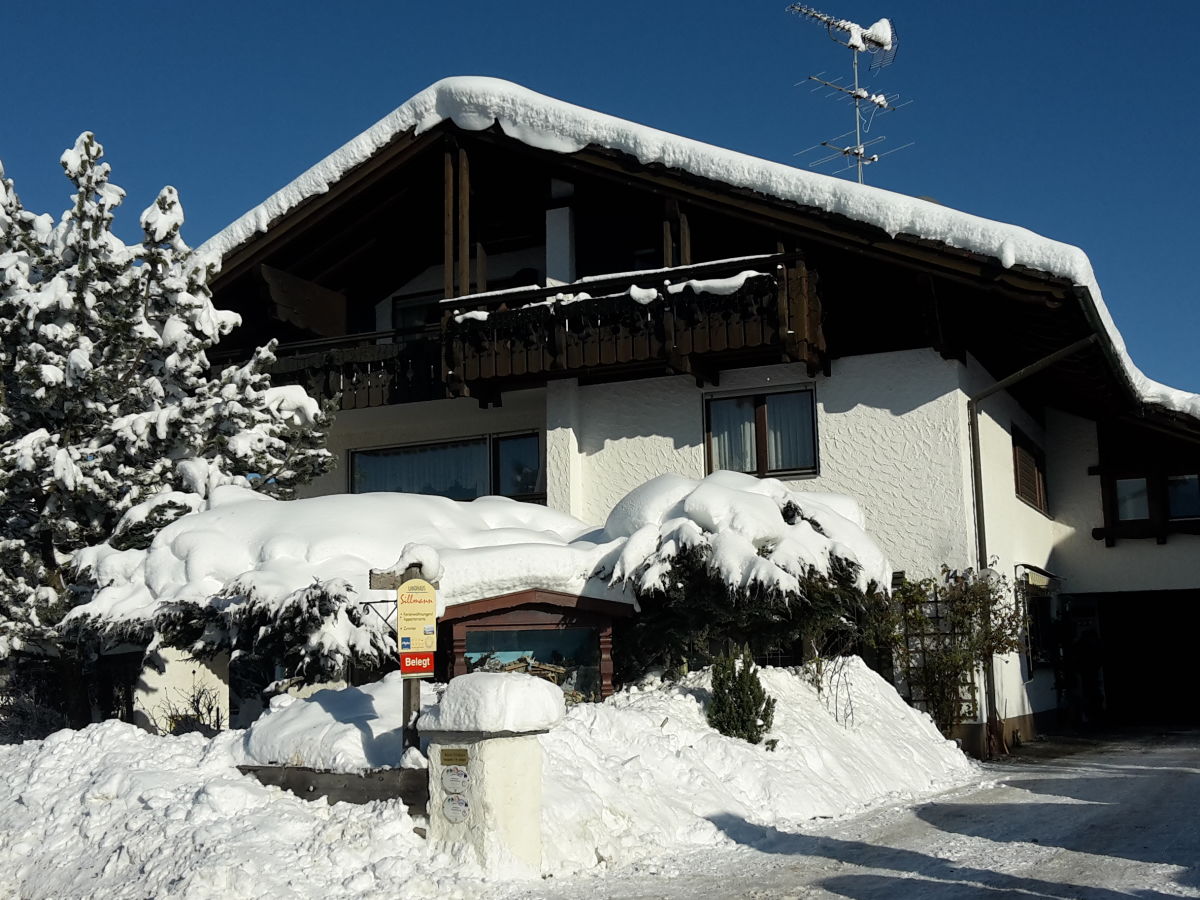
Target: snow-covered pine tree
108,399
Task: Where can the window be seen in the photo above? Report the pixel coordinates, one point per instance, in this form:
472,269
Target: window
1029,468
763,434
509,465
1183,496
1133,499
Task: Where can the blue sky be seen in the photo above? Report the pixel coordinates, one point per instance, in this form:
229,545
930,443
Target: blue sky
1069,118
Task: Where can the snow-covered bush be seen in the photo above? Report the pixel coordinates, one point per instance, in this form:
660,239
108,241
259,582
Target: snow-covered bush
111,421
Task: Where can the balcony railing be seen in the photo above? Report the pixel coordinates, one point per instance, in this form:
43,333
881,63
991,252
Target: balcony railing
689,319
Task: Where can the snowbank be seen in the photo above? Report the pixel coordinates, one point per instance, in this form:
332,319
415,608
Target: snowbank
477,103
495,702
644,771
348,730
112,811
252,549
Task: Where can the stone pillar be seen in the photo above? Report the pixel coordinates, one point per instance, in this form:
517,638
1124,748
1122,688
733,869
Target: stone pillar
564,459
485,799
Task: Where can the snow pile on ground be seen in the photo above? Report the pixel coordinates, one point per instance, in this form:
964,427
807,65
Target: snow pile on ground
356,729
496,702
644,771
112,811
478,103
348,730
252,549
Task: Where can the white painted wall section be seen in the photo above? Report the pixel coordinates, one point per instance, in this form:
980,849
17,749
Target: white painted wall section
564,462
175,685
560,235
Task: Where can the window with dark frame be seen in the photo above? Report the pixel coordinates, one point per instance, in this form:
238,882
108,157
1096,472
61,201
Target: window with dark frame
505,465
768,433
1183,496
1029,468
1149,485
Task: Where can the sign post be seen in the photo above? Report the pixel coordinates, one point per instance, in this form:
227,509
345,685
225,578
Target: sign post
416,637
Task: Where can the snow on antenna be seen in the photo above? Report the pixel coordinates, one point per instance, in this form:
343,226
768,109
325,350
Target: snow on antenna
880,41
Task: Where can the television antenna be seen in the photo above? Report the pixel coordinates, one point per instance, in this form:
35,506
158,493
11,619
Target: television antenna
881,42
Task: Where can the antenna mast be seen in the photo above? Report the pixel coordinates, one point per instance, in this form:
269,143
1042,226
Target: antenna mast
880,41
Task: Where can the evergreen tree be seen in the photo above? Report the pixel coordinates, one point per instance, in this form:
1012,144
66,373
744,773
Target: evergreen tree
107,401
740,706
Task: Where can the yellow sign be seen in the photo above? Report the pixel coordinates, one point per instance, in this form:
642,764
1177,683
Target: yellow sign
455,756
416,616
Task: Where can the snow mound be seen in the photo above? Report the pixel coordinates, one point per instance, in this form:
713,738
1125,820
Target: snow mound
112,811
496,701
348,730
476,103
247,548
644,772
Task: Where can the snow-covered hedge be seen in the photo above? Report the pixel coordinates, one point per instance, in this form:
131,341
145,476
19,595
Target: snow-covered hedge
253,574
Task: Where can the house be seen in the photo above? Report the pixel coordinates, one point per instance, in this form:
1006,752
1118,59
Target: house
517,296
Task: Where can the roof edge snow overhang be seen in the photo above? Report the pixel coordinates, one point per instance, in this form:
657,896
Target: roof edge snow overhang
931,233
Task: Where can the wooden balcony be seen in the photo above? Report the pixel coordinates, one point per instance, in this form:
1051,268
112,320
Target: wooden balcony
373,369
692,320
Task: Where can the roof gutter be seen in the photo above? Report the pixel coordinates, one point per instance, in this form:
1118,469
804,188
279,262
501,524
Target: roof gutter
989,674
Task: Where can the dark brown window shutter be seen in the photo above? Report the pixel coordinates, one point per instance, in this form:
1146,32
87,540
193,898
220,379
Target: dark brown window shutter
1030,468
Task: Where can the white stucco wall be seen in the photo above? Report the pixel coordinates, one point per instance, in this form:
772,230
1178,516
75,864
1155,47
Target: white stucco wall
175,684
891,433
415,423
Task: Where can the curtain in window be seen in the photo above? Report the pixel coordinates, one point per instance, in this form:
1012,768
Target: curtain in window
732,424
458,471
790,443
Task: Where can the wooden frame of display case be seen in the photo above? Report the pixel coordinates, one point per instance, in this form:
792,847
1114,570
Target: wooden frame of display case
529,610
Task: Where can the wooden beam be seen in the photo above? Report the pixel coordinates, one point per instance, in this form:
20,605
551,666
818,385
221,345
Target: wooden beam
464,222
448,224
685,240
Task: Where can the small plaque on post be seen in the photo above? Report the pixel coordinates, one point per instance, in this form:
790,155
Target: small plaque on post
454,756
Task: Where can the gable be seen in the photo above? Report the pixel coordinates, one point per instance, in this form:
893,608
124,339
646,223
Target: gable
388,208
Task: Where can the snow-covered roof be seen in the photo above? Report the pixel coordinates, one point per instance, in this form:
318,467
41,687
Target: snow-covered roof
475,103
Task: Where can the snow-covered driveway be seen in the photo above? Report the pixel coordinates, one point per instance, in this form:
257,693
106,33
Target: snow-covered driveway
1120,819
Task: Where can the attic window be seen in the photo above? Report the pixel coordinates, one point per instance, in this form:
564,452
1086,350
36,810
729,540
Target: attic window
1029,468
763,434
